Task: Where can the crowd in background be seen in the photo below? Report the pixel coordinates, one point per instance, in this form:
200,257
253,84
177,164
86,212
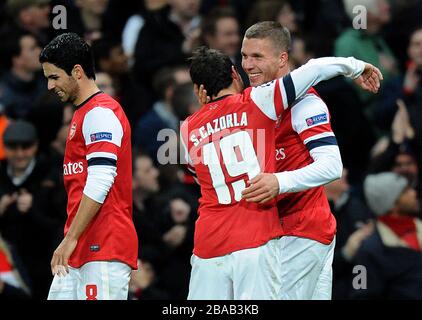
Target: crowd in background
141,50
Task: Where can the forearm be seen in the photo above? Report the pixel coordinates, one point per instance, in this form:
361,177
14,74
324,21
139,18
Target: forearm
327,166
87,210
317,70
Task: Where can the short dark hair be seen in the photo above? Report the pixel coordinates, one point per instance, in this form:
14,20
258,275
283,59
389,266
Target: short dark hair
212,69
272,30
102,48
10,46
165,78
209,23
67,50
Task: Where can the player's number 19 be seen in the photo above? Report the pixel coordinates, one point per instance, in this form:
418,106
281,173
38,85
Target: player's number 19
247,164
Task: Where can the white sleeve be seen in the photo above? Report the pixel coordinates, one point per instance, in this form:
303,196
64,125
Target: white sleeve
101,128
327,167
99,181
272,100
311,121
317,70
102,125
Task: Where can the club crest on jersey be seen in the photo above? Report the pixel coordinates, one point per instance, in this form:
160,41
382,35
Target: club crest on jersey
101,136
316,119
72,131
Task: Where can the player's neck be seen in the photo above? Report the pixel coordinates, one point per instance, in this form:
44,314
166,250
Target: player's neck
224,92
86,90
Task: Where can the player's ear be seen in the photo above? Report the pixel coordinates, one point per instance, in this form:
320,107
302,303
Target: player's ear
284,59
77,72
235,74
237,79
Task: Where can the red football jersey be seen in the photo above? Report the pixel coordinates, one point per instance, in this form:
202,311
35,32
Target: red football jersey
229,141
100,134
306,125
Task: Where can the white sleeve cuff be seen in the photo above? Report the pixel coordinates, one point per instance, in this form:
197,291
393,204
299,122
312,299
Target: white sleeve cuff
99,181
327,167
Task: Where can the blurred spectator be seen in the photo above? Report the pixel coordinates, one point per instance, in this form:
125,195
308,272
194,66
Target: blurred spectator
162,115
88,19
242,8
367,44
220,30
105,83
51,193
406,17
177,229
23,216
135,23
407,88
50,107
302,50
184,101
30,16
111,59
326,17
164,223
143,283
392,254
353,226
274,10
22,85
398,155
167,38
145,190
117,14
14,284
3,124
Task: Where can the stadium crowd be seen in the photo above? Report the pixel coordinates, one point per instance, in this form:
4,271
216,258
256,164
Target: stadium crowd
141,50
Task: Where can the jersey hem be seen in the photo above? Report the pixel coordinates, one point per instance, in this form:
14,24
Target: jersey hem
323,240
243,247
79,265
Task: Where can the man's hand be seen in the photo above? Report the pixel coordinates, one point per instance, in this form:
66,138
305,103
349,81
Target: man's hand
6,200
401,128
61,256
175,236
201,94
370,78
263,188
355,240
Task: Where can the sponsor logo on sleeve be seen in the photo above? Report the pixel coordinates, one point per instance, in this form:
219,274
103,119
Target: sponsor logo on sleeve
317,119
101,136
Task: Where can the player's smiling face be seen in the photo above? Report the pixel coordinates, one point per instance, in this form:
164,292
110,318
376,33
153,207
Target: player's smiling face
260,60
60,82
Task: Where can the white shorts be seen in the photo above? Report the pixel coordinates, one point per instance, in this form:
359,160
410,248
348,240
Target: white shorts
98,280
242,275
305,268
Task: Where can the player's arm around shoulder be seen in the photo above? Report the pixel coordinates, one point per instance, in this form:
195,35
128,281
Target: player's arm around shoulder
311,121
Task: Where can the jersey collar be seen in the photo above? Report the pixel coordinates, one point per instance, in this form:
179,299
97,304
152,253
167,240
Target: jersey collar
220,98
87,100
